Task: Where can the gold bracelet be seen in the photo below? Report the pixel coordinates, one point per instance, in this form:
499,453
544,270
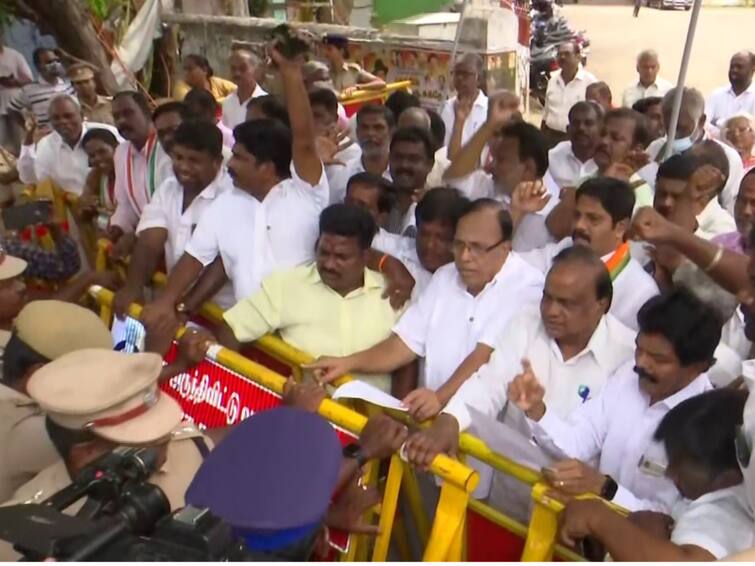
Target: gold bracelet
716,259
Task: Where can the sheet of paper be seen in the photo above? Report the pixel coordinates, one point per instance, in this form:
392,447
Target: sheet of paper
360,390
507,441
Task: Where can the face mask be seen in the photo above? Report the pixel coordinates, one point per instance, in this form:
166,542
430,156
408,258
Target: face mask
55,68
683,144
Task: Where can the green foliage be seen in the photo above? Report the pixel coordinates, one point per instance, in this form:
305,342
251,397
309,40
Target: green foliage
103,8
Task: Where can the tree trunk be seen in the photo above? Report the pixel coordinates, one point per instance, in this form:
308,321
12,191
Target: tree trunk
69,21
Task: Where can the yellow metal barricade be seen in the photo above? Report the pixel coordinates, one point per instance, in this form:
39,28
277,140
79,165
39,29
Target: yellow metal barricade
364,96
458,480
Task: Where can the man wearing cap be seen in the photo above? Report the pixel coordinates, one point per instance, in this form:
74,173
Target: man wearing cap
12,294
96,400
347,77
280,515
43,331
96,108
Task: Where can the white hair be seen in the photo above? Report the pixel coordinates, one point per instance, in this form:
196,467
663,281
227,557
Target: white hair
693,102
647,54
738,116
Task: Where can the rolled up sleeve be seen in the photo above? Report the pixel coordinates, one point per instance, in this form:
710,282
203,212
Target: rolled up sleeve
260,314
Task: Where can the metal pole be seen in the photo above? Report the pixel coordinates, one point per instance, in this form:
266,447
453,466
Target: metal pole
682,77
455,47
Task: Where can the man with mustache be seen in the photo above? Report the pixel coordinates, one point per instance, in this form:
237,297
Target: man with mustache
603,216
411,159
619,154
519,156
178,206
738,95
375,125
570,342
674,349
141,165
572,160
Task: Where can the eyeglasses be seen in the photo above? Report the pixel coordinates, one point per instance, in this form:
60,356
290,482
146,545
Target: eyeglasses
475,250
743,447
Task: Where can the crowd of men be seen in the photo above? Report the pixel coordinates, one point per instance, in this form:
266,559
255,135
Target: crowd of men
587,284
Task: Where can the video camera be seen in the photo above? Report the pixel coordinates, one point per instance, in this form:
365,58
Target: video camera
124,518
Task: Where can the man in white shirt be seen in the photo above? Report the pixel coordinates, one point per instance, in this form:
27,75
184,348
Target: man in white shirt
649,83
566,87
269,220
411,159
139,163
689,182
466,76
177,207
570,342
677,338
603,216
243,64
455,322
59,155
572,160
691,131
712,522
436,217
420,118
738,96
14,73
375,125
519,155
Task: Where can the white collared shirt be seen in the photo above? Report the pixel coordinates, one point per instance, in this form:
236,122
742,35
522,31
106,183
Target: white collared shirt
714,221
404,249
719,522
234,111
532,232
53,158
731,188
637,91
560,97
631,288
255,238
723,103
165,211
447,322
435,177
132,197
611,345
474,122
339,175
566,169
617,427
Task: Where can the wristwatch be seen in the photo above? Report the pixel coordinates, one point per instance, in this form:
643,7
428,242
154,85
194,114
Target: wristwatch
354,451
610,487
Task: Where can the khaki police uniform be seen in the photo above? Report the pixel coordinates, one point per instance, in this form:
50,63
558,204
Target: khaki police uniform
116,397
346,77
102,110
52,329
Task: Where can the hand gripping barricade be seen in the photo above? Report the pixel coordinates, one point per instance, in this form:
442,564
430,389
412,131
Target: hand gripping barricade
242,387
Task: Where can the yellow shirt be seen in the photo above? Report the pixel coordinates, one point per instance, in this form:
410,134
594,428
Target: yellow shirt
312,317
219,88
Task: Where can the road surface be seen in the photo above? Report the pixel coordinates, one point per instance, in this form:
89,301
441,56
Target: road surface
617,37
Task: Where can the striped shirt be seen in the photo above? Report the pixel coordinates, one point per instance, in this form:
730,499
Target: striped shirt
36,97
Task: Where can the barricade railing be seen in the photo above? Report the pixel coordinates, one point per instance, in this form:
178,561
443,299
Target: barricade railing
539,535
359,97
446,535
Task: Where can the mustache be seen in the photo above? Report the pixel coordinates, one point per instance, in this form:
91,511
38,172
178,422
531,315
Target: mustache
644,374
580,234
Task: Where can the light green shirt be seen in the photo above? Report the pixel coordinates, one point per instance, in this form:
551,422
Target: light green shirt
643,193
312,317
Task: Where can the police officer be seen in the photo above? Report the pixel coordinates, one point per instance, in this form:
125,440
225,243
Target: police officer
12,293
347,77
96,400
274,476
42,331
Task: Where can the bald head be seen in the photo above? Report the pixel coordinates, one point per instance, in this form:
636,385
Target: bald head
741,69
66,118
415,117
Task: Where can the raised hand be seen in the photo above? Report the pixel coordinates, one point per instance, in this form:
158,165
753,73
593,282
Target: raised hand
649,226
705,182
502,107
529,197
526,392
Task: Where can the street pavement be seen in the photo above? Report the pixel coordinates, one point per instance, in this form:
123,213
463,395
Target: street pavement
617,37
